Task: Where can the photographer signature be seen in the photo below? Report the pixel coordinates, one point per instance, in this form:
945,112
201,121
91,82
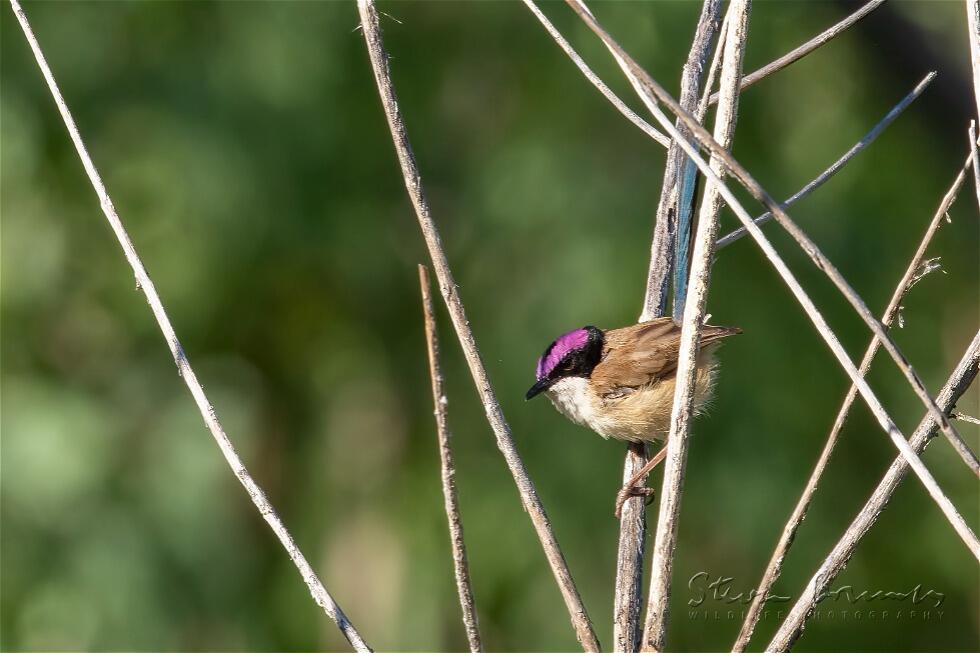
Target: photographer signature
721,589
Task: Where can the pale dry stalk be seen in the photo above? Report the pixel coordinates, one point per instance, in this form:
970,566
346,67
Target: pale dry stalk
973,27
461,567
798,53
145,284
957,384
628,590
772,67
774,568
665,542
818,181
837,165
627,603
650,92
450,294
665,230
972,133
630,552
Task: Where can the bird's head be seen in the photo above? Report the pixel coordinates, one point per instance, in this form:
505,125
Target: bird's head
572,354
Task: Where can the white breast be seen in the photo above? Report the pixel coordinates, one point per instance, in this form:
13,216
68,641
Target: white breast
642,415
573,399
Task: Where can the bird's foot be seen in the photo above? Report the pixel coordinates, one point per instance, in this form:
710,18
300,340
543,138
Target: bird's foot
632,491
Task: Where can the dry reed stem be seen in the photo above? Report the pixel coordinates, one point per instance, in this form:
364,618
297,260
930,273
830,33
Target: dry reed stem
774,568
814,184
798,53
973,25
837,165
772,67
665,542
965,418
450,293
650,92
665,230
713,70
461,566
792,627
632,528
628,599
687,173
976,159
794,55
628,591
145,284
668,250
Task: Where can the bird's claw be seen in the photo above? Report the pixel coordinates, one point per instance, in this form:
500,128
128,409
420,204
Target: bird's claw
632,491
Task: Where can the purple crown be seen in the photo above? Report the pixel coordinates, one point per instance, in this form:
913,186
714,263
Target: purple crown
559,348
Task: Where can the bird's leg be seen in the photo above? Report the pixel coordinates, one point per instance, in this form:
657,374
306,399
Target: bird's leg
631,489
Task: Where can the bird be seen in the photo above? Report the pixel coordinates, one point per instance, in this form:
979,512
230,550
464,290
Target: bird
620,382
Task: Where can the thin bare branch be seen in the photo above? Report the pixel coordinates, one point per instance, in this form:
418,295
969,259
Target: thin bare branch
460,565
628,597
655,629
668,250
798,53
677,185
650,92
836,167
713,70
630,115
774,567
629,566
687,173
450,294
145,284
976,159
963,417
839,164
770,68
973,25
790,630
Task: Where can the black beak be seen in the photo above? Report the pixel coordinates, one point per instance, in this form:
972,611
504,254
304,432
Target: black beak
538,388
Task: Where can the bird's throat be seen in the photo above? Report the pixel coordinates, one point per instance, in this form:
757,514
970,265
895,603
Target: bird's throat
573,399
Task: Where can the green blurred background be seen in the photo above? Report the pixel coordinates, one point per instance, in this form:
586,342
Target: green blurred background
245,149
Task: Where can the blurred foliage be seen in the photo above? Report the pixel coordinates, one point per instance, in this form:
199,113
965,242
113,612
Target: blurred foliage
244,147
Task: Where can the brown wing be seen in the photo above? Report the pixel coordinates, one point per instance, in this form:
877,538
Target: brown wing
637,355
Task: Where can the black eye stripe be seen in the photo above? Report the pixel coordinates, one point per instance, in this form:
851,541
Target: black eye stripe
578,361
